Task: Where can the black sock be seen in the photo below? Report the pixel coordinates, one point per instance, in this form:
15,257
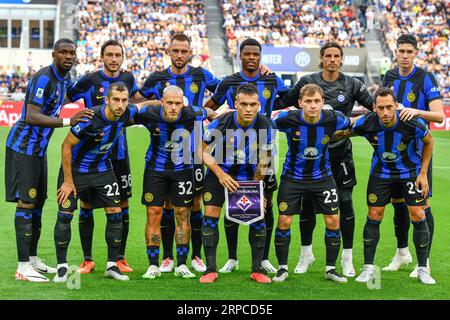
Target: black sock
231,233
210,239
430,223
113,234
24,233
307,221
196,233
332,246
62,236
421,238
167,232
257,240
182,253
268,217
401,224
36,225
282,241
371,236
86,230
347,223
153,255
125,228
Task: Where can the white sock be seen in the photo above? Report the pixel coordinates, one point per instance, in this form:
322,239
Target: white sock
403,251
369,266
347,254
328,268
110,264
33,259
65,265
306,250
22,266
283,266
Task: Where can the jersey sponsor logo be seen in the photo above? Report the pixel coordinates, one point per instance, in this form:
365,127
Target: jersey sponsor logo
325,139
411,97
39,93
194,88
66,204
282,206
372,198
170,146
32,193
401,146
104,148
434,89
389,157
207,196
244,203
302,59
341,98
148,197
311,153
266,93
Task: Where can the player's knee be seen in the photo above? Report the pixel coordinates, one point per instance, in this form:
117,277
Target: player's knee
212,211
416,213
124,204
113,210
284,222
154,215
375,213
332,221
25,205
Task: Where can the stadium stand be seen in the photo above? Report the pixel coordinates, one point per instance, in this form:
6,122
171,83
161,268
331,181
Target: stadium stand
305,23
430,23
144,27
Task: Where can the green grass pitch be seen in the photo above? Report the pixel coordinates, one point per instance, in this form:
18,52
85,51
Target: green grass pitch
236,285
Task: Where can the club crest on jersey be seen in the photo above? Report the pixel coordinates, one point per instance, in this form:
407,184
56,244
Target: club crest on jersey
389,157
411,97
341,98
401,146
207,196
244,203
194,88
325,139
32,193
372,198
310,153
266,93
283,206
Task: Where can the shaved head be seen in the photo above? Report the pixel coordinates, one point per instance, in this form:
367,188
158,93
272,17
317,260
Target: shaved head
172,90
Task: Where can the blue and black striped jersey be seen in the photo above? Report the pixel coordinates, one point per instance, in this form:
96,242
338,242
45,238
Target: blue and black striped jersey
307,157
269,87
193,82
397,154
416,90
237,149
97,138
46,90
170,140
92,88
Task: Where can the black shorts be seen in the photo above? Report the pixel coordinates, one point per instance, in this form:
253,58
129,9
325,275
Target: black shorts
25,178
199,179
123,175
179,185
270,183
214,192
99,190
380,191
323,192
397,192
344,174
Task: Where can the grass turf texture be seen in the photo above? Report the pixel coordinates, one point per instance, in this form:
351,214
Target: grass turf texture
237,285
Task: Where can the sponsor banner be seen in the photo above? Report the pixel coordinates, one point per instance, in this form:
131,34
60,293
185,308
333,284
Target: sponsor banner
10,112
444,125
296,59
28,2
245,206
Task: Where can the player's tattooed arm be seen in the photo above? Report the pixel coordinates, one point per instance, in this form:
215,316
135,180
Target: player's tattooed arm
68,186
36,118
224,179
427,150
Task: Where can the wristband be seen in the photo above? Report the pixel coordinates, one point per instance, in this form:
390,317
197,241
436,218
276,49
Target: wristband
66,122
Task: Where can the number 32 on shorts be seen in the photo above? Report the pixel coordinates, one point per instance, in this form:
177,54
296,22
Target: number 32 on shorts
330,196
185,188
